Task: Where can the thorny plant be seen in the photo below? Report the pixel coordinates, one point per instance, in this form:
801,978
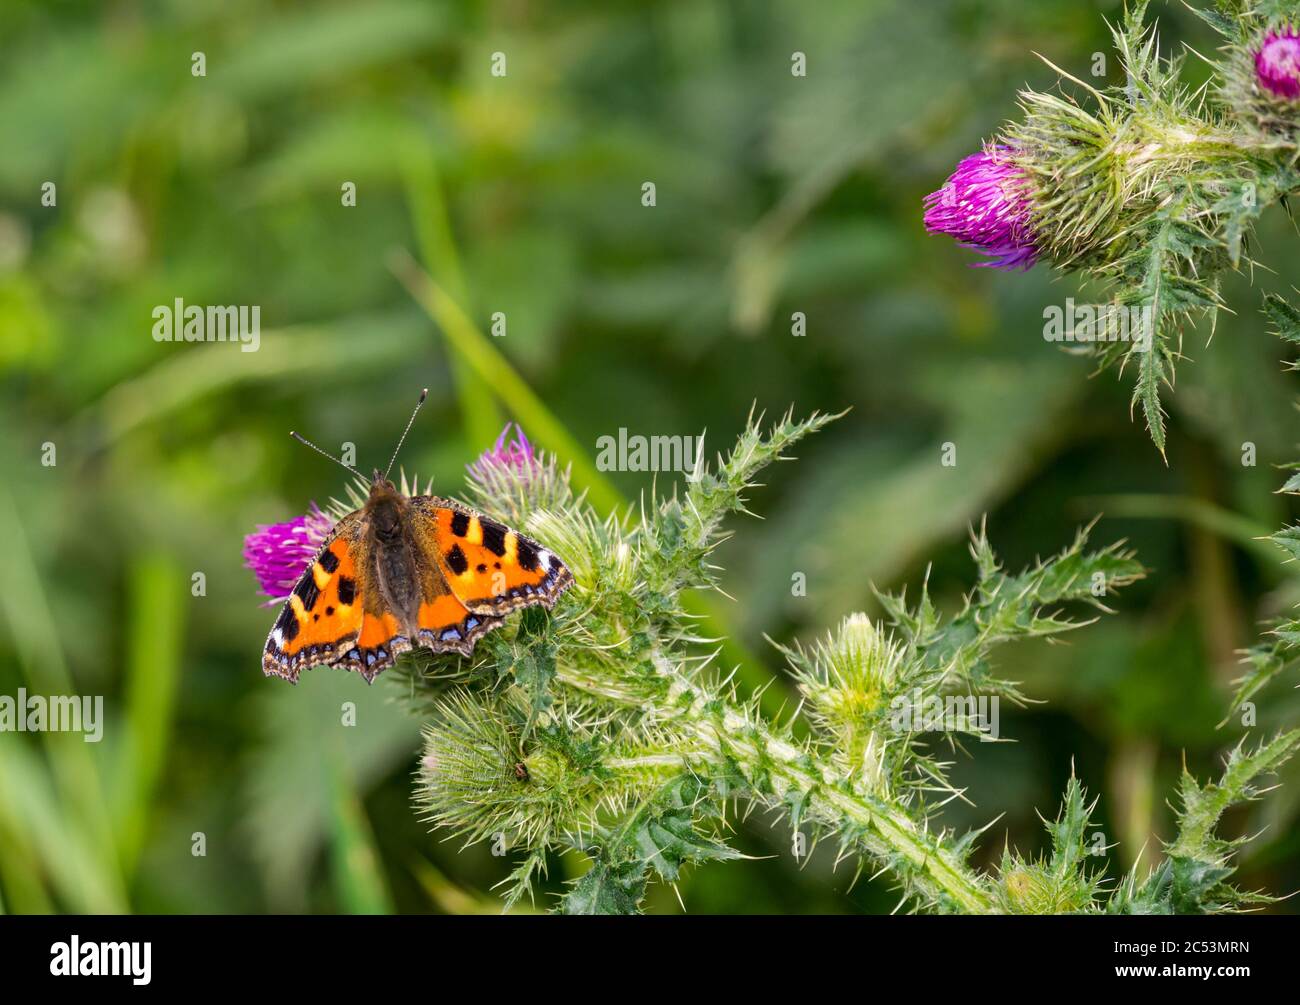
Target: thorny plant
604,727
1280,653
1150,186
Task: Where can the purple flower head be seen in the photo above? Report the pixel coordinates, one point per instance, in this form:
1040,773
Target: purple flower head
1277,63
279,553
985,205
516,457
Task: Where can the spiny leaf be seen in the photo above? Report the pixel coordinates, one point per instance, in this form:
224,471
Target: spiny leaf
534,659
1284,318
1193,878
672,841
661,837
1288,539
1069,830
1216,19
1204,805
1005,607
605,890
1266,662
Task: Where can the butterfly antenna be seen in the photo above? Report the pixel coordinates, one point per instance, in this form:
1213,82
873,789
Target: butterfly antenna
308,443
409,422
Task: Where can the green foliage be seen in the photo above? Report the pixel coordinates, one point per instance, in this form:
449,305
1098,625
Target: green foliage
1004,607
1280,653
1192,879
1284,318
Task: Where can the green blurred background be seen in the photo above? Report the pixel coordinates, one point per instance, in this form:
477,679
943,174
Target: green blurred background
522,194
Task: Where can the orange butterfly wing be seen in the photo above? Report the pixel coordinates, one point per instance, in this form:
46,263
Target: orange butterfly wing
377,646
491,569
446,625
323,616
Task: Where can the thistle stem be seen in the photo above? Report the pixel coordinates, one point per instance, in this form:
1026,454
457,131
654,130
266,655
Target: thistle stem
895,831
726,737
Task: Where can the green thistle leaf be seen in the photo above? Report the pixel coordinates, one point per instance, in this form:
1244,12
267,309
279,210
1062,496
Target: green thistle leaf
1284,318
1193,878
605,890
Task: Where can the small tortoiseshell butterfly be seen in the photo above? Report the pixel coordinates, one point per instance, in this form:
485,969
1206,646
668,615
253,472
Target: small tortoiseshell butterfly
404,572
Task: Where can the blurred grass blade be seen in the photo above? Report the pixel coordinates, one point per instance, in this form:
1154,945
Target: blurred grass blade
450,898
483,420
297,354
20,869
156,595
66,852
327,43
477,350
1233,527
354,863
81,799
288,782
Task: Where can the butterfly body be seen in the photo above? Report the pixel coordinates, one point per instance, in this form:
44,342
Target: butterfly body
407,572
396,555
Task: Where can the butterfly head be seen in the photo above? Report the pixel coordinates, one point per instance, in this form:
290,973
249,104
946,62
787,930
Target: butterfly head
386,506
379,484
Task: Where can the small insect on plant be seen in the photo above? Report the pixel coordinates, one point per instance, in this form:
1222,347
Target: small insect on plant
400,572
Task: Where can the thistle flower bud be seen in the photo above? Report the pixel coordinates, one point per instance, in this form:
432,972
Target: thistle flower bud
479,778
985,204
279,553
850,674
847,683
1277,63
512,478
1030,889
1036,888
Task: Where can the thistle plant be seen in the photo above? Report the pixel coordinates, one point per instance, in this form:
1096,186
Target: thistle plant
605,727
1280,652
1149,186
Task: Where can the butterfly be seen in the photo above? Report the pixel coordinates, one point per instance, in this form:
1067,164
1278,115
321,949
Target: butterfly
405,572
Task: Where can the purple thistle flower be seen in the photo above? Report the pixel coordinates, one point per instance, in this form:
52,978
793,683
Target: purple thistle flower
985,205
1277,63
516,457
279,553
512,479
